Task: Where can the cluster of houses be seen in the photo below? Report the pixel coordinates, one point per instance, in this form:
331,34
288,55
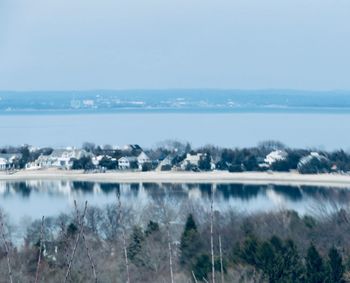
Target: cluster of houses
8,161
64,158
136,159
132,157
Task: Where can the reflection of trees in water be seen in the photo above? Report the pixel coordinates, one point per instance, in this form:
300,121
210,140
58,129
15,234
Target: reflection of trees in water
161,191
154,190
182,191
205,189
108,188
293,193
327,193
241,191
85,187
134,188
22,188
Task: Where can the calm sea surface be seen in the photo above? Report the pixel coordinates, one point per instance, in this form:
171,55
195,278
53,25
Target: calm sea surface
326,131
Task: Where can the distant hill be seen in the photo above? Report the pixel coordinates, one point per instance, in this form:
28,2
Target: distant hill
174,100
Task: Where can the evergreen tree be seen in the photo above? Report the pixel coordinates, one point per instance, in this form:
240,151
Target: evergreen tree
202,267
335,266
266,260
135,246
190,242
249,251
315,271
279,261
293,269
205,162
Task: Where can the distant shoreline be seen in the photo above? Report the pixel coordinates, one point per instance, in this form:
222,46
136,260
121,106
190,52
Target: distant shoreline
215,177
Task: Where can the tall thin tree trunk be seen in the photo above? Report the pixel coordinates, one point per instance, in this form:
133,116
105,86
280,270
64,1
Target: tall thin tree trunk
40,250
221,263
212,236
124,238
81,224
6,249
75,247
194,277
170,254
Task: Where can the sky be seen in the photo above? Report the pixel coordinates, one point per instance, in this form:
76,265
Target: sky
148,44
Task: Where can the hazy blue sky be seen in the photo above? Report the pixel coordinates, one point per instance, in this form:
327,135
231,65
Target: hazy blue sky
89,44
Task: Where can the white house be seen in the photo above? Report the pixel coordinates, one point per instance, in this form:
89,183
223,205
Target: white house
126,162
43,161
7,160
64,158
194,160
191,160
59,158
166,162
276,155
142,159
3,164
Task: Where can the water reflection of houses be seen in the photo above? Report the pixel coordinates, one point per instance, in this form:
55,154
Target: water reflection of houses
178,191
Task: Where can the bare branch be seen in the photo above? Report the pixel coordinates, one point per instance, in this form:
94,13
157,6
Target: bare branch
65,243
170,254
40,249
6,248
75,246
221,263
81,224
120,217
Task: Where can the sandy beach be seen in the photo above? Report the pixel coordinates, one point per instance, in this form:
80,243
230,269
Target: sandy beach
330,180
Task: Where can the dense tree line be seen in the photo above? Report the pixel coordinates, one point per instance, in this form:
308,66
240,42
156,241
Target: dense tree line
264,247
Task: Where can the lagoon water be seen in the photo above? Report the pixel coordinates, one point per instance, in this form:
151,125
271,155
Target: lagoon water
321,130
33,199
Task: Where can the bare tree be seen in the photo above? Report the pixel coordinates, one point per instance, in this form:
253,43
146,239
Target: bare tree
81,224
65,243
221,263
120,217
170,253
40,250
6,248
75,245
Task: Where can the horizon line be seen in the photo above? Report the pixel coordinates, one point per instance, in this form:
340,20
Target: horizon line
180,89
